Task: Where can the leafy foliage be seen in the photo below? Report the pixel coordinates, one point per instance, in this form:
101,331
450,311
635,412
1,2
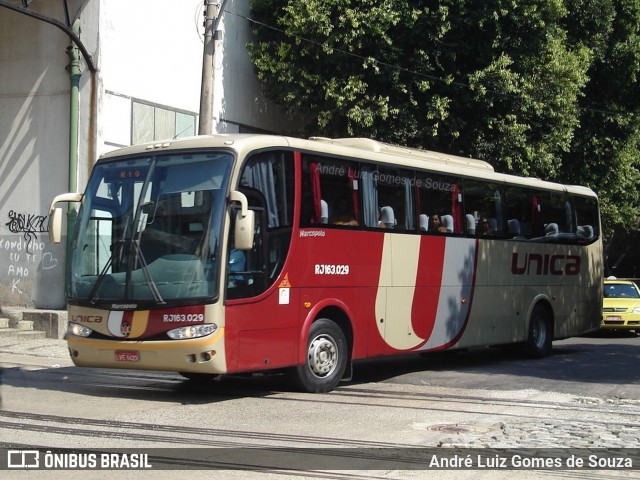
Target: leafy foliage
543,88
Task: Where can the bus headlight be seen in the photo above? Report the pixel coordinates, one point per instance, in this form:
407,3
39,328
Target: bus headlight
78,330
636,310
192,331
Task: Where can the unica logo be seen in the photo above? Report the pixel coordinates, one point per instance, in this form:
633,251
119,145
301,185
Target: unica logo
538,264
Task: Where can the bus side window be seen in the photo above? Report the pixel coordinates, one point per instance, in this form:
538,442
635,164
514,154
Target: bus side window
246,276
551,219
396,199
437,198
388,198
483,202
519,211
330,192
558,216
268,182
587,219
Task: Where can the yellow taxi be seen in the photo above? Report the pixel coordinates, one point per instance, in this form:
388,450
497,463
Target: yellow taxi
621,305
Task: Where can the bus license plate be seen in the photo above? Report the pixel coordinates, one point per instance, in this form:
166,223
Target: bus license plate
127,356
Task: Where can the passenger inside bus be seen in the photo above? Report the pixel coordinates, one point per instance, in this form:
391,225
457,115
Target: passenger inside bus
237,263
484,227
435,224
344,215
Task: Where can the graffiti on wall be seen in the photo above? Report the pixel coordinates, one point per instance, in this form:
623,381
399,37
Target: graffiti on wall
27,251
28,224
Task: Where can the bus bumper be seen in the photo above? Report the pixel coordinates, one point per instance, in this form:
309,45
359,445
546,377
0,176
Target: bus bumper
198,355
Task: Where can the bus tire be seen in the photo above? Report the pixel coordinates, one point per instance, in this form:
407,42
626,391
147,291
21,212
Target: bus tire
540,335
325,360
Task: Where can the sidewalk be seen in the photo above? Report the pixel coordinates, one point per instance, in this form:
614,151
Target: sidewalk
50,348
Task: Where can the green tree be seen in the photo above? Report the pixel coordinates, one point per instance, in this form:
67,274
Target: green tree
516,83
604,149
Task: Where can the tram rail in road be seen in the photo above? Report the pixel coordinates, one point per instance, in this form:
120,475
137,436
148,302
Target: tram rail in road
582,396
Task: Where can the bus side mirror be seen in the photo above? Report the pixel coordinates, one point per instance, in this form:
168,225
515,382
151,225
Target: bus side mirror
55,215
245,222
244,230
55,225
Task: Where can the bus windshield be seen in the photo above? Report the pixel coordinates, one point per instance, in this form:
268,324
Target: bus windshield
148,230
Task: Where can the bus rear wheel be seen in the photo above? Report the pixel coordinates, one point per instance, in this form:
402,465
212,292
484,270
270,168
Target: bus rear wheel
540,336
326,358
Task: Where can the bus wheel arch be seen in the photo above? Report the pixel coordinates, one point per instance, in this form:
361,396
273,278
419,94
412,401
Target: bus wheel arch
327,352
540,330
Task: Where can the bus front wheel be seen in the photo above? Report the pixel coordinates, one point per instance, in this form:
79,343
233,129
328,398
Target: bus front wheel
540,336
325,360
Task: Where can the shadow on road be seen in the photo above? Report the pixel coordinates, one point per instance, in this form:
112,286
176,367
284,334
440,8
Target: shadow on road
144,385
605,358
601,358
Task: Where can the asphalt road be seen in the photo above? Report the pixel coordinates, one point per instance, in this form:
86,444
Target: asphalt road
605,364
586,394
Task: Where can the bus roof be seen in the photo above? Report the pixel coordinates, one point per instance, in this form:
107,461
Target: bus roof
357,148
406,152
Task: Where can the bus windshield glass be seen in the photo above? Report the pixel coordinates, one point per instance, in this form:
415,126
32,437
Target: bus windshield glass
148,230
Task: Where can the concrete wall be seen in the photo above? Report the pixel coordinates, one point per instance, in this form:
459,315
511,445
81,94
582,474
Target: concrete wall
144,50
34,144
239,103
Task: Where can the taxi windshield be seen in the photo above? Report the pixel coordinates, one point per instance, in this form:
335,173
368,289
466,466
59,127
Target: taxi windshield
620,290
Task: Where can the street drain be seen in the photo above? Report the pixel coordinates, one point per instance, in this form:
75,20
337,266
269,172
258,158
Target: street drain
450,428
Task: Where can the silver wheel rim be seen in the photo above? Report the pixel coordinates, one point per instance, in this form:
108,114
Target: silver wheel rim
539,333
322,356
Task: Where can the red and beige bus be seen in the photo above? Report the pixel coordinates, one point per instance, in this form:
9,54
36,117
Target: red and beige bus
243,253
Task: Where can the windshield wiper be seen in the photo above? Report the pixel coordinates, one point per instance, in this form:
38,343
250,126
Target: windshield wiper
139,257
147,275
117,246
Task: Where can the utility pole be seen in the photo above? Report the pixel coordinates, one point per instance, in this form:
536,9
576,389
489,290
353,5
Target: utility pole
211,12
